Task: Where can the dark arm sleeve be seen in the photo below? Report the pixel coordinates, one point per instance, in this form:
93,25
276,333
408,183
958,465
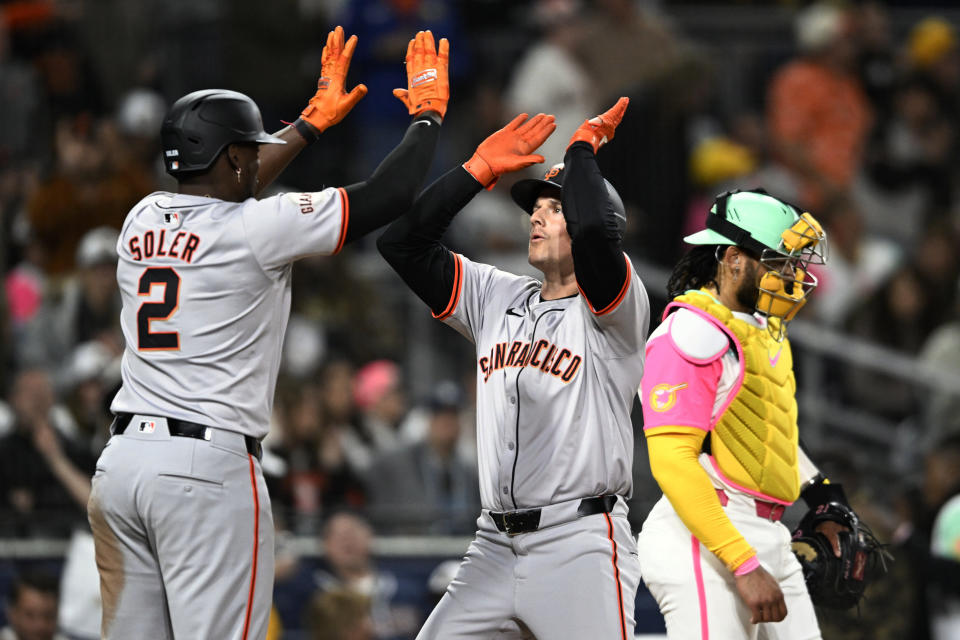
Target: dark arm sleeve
412,243
394,184
597,254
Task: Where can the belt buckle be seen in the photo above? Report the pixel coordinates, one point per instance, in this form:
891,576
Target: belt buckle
522,521
512,520
771,510
776,512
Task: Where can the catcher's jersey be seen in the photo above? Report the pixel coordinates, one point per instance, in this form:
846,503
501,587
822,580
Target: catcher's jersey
206,298
555,385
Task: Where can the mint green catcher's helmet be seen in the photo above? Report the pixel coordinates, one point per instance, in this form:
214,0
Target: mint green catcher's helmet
753,220
783,238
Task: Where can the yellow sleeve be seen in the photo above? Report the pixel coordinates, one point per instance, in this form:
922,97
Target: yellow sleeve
673,453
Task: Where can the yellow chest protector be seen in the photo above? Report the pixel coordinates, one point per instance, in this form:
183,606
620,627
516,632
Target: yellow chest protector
754,441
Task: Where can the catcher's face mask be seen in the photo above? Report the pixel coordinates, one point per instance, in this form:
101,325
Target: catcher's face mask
785,240
787,283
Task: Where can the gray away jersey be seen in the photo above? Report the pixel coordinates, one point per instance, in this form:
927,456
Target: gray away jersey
555,385
206,299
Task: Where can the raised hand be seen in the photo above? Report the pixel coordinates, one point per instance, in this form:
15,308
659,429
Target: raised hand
599,130
428,87
331,103
510,148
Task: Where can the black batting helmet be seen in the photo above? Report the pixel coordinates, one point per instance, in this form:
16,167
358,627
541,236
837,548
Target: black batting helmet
200,124
526,192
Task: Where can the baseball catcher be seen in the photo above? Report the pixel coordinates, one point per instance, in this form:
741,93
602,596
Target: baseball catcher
720,419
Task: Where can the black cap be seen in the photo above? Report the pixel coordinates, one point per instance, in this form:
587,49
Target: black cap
526,192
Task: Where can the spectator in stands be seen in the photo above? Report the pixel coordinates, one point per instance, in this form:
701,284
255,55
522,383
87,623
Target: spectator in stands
25,284
933,52
21,96
877,62
340,615
626,46
378,395
340,414
91,378
937,260
909,164
318,479
898,316
550,78
347,539
32,609
87,189
44,476
818,114
426,487
88,308
860,262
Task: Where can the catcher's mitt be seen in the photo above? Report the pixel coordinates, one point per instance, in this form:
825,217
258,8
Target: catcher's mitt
838,583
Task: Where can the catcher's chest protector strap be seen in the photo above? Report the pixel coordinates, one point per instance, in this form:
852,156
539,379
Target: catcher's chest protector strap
755,439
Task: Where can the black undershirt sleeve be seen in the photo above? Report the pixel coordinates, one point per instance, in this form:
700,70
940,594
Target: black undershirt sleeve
597,254
411,245
390,190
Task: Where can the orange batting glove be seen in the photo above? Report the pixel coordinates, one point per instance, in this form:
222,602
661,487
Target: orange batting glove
330,104
428,87
510,148
599,130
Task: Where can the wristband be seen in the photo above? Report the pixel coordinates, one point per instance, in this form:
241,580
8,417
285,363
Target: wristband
308,133
748,566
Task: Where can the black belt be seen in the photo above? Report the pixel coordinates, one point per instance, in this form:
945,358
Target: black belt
184,429
527,520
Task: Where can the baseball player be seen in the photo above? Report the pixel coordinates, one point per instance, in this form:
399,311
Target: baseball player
556,361
179,509
720,417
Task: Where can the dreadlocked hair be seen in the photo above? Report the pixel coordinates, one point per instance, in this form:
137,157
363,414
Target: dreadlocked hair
696,269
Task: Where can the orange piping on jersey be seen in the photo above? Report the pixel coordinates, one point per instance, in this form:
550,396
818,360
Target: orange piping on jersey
457,286
344,219
256,541
616,577
616,301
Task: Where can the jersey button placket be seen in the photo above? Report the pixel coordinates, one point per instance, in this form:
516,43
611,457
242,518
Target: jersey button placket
508,442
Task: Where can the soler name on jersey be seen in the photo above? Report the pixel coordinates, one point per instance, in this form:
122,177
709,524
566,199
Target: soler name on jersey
161,244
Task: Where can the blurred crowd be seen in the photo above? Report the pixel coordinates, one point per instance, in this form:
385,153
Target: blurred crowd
850,110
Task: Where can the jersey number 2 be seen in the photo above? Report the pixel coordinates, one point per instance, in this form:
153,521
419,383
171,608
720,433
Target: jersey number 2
149,311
